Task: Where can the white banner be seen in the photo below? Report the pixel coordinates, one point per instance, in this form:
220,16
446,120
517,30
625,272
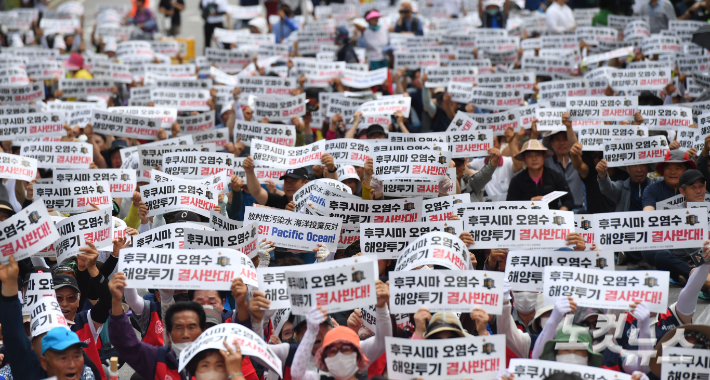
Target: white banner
294,230
75,231
524,269
594,138
81,88
279,134
334,285
75,197
167,115
386,240
167,197
426,161
446,290
434,248
640,79
528,369
16,167
602,289
272,281
660,229
356,211
185,100
134,127
26,233
262,85
222,223
614,108
169,236
208,269
243,240
32,125
279,108
661,118
277,156
479,357
645,150
38,287
122,183
536,229
197,165
22,94
363,79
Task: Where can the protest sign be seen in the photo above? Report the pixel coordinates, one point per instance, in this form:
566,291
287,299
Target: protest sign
14,167
496,99
185,100
167,197
32,125
386,240
434,248
45,70
659,44
479,357
250,344
445,290
498,122
334,285
522,81
266,85
660,118
53,155
75,231
427,161
676,202
134,127
414,61
208,269
277,156
443,76
272,281
196,165
22,94
169,236
81,88
636,151
46,316
194,124
314,192
230,61
460,92
218,137
416,188
601,289
660,229
528,369
363,79
116,72
38,287
294,230
222,223
358,211
640,79
74,197
501,205
80,117
594,138
166,115
279,134
279,319
122,183
524,269
26,233
441,208
151,156
387,106
14,109
535,229
279,108
616,108
13,76
684,363
348,151
462,122
243,240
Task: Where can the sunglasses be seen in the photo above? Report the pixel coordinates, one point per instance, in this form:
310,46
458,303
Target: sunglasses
333,350
404,11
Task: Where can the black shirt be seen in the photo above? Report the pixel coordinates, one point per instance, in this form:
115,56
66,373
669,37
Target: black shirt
277,201
596,201
176,15
523,188
700,14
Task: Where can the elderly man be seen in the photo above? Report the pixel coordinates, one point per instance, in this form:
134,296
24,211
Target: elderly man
407,23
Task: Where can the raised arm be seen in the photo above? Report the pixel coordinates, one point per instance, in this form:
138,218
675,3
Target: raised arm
258,192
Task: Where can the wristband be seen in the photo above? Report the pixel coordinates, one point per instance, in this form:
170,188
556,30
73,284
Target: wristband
235,375
328,170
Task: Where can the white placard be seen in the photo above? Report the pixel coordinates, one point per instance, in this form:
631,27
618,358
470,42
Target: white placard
75,231
16,167
185,100
277,156
150,156
75,197
293,230
279,108
279,134
348,151
272,281
262,85
22,94
208,269
162,198
38,287
414,61
602,289
45,70
686,363
615,108
33,231
197,123
167,115
445,290
528,369
386,240
122,182
46,316
32,125
222,223
425,161
134,127
169,236
524,269
594,138
497,122
363,79
116,72
640,79
387,106
536,229
441,208
479,357
356,211
522,81
660,229
81,88
243,240
335,286
661,118
645,150
434,248
197,165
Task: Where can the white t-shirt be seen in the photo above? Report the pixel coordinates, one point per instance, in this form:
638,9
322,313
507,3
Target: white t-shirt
500,181
559,19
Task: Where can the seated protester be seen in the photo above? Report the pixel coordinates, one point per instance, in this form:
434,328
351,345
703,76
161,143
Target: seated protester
214,364
346,52
62,354
538,180
671,170
628,193
691,185
112,155
217,298
214,298
695,334
560,161
474,183
24,355
318,325
500,180
184,322
143,18
595,201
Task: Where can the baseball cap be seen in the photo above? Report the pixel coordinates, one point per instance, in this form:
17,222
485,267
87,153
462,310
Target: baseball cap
212,316
444,321
375,128
59,339
62,280
299,173
7,207
185,216
689,177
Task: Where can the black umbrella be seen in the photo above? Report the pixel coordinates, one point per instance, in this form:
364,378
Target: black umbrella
701,36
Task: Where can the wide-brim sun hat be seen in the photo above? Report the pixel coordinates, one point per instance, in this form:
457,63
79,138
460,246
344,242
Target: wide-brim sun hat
532,146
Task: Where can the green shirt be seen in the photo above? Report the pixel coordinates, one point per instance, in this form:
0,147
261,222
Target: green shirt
600,18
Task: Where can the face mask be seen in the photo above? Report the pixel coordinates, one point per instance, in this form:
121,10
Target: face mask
543,321
342,366
524,302
571,359
178,347
376,27
211,375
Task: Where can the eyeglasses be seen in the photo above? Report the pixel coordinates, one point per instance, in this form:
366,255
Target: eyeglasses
333,350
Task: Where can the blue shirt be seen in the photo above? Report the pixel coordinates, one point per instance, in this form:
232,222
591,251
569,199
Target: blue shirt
284,28
657,192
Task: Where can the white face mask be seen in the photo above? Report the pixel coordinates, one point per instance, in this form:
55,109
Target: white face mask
211,375
178,347
342,366
524,302
571,359
543,321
